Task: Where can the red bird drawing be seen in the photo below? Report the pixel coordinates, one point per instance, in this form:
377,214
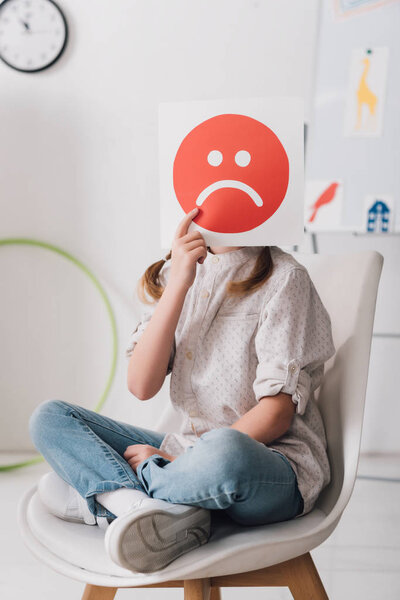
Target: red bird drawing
325,198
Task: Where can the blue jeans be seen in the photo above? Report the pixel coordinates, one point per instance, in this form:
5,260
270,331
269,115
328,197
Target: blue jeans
225,470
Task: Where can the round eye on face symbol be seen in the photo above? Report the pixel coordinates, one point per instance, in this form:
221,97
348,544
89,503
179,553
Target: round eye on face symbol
242,158
214,158
235,169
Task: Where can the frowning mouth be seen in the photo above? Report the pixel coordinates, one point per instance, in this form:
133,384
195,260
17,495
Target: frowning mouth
229,183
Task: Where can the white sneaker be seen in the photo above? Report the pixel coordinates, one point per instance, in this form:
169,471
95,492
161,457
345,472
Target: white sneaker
154,533
64,502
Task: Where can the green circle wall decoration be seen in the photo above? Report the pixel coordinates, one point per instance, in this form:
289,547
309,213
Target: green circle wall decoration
111,373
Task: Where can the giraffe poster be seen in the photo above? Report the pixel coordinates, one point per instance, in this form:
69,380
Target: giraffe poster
366,92
241,162
349,8
323,205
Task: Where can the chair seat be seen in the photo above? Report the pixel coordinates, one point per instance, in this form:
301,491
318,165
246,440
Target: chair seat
78,550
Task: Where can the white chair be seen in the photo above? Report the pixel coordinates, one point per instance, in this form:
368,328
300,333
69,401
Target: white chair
269,555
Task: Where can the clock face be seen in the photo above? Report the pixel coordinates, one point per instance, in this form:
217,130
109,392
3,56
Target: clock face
33,34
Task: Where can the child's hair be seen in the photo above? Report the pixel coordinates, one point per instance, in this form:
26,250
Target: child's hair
150,283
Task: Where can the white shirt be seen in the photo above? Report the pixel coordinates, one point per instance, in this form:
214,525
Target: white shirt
229,352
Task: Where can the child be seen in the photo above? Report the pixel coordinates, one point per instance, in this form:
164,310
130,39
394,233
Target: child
245,336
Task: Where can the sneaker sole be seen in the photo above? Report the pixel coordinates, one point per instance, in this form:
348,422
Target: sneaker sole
149,540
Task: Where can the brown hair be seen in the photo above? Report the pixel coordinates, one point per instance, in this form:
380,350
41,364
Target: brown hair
150,283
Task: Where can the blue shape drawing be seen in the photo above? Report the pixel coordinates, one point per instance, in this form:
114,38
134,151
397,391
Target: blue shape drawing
378,217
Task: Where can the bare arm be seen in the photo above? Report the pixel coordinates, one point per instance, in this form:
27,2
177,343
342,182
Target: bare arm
147,367
269,419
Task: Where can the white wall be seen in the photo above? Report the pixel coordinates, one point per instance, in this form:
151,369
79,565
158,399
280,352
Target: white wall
368,165
78,168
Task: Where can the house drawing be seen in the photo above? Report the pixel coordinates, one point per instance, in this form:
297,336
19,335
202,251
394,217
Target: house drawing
378,217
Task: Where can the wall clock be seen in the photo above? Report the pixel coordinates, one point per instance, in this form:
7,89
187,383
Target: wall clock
33,34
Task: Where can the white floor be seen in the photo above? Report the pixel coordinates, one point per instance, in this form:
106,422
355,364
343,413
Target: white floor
361,559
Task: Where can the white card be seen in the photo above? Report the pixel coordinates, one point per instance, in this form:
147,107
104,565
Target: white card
241,161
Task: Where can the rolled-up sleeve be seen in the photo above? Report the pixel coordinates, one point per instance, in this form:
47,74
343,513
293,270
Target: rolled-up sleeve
293,340
147,313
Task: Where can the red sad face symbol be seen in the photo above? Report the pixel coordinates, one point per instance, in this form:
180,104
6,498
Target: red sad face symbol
235,169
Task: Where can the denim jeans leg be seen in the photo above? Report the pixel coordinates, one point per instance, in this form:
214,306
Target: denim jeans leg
86,449
227,469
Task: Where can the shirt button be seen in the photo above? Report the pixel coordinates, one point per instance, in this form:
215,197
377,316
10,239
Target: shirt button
189,355
205,294
215,259
293,368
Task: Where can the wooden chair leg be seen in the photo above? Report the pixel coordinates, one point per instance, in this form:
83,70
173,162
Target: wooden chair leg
95,592
215,593
299,574
303,579
196,589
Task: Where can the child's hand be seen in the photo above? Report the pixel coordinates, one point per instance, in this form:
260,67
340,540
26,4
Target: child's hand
137,453
187,250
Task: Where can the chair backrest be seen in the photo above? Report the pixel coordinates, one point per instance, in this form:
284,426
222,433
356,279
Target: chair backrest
347,284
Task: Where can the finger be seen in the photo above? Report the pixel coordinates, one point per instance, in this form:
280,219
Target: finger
132,463
184,224
200,252
202,256
192,235
133,446
195,244
131,451
136,446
